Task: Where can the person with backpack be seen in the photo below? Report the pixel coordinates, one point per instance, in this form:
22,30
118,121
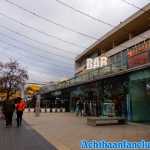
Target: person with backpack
20,107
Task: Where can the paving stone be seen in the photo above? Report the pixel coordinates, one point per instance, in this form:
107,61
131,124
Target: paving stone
23,138
65,130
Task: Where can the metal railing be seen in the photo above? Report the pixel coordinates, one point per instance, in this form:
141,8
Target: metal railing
91,75
100,72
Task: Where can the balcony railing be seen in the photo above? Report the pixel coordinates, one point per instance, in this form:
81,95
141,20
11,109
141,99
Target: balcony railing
90,75
109,69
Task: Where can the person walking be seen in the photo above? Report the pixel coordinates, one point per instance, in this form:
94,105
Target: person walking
8,109
20,107
77,107
81,108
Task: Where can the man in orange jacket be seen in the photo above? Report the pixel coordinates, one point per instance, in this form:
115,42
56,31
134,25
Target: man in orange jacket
20,107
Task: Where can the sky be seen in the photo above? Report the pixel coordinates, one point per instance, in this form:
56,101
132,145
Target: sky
44,48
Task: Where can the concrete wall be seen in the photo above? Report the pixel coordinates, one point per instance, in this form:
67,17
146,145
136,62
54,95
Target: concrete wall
128,44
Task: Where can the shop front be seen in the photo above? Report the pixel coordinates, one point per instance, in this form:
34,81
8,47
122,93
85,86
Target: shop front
123,95
139,82
114,96
139,89
87,95
105,97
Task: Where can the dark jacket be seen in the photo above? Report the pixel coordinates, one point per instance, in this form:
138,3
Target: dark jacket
8,106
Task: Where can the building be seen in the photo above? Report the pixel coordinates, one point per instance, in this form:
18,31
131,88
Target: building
122,86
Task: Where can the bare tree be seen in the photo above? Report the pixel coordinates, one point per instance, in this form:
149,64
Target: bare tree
12,76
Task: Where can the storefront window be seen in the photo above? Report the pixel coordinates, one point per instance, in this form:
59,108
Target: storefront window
115,91
148,88
124,58
140,95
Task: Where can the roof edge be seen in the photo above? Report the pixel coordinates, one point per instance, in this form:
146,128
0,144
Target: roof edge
115,29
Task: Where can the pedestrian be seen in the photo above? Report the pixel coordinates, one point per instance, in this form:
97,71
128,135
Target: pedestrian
8,110
20,107
77,107
81,108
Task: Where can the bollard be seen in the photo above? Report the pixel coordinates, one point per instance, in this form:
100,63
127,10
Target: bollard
58,109
53,109
31,109
42,110
48,110
63,110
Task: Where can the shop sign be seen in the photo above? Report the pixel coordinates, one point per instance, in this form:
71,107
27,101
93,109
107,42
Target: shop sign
139,48
138,55
140,59
92,63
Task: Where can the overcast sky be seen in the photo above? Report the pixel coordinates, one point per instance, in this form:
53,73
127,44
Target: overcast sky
48,58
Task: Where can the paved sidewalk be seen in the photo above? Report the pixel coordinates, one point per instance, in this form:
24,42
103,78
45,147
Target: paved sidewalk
65,130
23,138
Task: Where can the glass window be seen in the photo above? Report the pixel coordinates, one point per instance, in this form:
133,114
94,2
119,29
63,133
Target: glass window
124,57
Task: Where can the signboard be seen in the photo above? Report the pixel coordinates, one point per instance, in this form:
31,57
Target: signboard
138,55
92,63
139,59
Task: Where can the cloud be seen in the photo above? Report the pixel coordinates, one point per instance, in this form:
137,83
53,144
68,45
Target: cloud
42,65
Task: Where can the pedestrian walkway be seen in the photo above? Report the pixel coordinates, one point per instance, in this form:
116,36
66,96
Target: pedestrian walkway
23,138
65,130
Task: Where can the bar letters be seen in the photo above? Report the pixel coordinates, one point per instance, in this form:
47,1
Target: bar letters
92,63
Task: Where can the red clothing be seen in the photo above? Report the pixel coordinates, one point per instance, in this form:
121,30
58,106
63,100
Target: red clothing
21,106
